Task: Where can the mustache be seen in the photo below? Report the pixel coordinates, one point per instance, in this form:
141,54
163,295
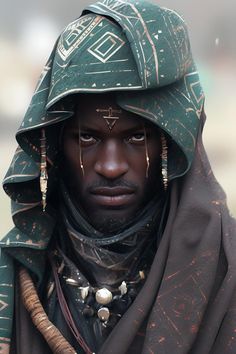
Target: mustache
111,184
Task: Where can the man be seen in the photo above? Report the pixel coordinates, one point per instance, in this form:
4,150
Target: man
122,240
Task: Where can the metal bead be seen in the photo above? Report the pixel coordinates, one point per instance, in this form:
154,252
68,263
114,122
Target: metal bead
103,314
72,282
103,296
133,293
121,306
142,274
84,292
88,311
123,288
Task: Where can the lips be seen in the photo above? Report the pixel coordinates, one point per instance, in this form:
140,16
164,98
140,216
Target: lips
113,197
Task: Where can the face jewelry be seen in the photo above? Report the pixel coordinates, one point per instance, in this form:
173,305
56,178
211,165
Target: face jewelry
164,161
43,169
110,119
80,154
146,153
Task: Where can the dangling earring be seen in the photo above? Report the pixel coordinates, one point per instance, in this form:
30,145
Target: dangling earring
164,161
80,155
146,153
43,169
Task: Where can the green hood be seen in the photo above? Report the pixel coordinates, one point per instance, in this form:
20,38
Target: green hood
134,48
137,49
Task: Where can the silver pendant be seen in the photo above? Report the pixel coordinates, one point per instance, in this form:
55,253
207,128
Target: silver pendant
103,296
103,314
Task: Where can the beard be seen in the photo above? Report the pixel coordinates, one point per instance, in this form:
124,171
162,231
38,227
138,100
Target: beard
110,224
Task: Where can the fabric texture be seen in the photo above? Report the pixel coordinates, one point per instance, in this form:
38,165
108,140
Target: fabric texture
141,52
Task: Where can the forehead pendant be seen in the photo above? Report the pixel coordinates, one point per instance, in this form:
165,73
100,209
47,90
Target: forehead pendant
110,116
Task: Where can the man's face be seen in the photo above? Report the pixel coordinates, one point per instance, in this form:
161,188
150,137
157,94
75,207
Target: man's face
107,151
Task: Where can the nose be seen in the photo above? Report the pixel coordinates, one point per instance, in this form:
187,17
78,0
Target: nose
111,162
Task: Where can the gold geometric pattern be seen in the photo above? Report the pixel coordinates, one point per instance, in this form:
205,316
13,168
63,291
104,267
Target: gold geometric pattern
110,119
3,305
106,46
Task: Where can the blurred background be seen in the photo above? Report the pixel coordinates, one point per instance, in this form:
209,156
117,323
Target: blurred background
28,30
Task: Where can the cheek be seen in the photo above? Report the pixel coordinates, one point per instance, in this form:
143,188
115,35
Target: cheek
138,165
71,154
77,176
146,156
154,153
155,159
70,166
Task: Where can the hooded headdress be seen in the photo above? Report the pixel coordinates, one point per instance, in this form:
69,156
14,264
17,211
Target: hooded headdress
141,52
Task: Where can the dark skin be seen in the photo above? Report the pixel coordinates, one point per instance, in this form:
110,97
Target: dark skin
112,186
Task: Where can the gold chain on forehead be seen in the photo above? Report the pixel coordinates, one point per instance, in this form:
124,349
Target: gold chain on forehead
110,119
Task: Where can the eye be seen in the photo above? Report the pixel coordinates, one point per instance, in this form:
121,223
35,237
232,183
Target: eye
137,138
87,139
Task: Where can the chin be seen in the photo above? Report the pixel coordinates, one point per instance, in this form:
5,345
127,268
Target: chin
111,223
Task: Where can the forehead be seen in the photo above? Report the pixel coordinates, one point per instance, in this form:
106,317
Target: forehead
100,111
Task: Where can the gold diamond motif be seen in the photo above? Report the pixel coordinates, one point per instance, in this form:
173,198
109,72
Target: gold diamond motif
104,48
3,305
